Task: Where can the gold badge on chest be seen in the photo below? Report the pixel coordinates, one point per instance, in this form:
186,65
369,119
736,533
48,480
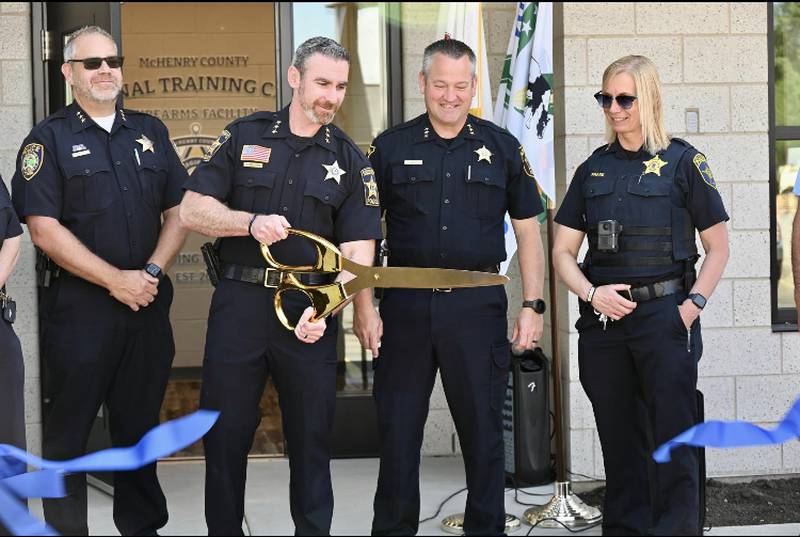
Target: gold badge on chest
654,165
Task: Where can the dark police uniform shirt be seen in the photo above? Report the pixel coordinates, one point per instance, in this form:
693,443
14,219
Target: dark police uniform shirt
445,200
9,224
322,184
692,188
108,189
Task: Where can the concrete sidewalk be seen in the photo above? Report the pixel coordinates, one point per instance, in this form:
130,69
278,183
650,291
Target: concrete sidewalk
354,481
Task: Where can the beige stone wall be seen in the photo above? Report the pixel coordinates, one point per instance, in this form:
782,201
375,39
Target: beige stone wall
714,57
16,120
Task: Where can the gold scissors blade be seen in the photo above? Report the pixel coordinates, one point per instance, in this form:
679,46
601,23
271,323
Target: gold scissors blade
417,278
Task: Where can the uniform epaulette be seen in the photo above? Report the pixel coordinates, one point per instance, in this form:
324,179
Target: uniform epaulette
402,126
339,133
601,149
256,116
681,141
60,114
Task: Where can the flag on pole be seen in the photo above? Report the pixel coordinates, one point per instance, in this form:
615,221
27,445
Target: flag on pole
464,21
525,99
524,102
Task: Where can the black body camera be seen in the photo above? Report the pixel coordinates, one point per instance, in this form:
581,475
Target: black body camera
608,232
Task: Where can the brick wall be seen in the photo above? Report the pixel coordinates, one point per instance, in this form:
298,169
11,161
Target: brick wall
16,118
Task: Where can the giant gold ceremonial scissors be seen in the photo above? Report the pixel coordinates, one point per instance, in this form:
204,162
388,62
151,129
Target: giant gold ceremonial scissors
326,298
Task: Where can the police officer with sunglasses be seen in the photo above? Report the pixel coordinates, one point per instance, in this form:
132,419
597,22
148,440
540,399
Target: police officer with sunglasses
93,182
639,200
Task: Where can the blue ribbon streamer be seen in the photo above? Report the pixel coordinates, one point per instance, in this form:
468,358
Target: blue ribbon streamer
733,434
160,442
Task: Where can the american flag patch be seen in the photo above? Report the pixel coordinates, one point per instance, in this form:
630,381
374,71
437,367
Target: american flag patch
256,153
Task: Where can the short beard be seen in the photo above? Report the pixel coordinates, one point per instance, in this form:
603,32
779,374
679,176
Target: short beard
86,94
309,110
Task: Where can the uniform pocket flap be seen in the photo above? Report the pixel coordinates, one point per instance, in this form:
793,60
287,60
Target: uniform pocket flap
501,354
408,174
85,169
488,177
648,186
593,189
154,165
327,192
264,179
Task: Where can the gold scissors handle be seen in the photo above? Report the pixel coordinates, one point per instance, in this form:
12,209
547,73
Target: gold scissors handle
324,298
329,258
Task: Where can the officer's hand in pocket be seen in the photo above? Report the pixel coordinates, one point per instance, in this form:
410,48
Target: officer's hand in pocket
134,288
309,332
270,228
688,312
607,300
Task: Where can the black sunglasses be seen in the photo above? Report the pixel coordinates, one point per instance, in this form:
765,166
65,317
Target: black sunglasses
624,101
90,64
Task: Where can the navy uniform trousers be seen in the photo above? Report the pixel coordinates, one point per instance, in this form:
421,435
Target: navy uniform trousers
12,396
641,381
97,350
463,334
245,346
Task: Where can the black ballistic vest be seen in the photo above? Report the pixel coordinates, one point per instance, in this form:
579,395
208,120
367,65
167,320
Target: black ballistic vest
657,236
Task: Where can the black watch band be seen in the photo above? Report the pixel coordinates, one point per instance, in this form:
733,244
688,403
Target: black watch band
154,270
537,305
698,300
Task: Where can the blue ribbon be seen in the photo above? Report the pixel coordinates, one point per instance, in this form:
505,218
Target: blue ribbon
734,434
160,442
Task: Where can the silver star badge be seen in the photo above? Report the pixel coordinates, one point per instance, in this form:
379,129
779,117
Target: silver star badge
484,154
147,144
334,171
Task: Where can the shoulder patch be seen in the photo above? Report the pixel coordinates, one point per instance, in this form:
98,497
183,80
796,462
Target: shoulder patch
224,137
370,187
526,166
31,160
701,164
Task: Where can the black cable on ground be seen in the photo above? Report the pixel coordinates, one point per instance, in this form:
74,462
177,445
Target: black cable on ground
441,506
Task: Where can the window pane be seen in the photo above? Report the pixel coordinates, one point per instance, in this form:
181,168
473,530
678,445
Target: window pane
786,34
787,164
361,28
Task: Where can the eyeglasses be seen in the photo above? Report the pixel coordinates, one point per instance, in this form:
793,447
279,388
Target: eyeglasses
624,101
91,64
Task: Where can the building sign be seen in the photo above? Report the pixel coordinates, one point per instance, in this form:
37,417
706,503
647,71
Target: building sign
197,67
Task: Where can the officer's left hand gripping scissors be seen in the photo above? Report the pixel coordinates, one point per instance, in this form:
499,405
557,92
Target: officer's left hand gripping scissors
326,298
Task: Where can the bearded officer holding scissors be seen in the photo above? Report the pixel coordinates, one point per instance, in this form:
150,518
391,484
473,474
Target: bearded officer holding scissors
266,173
446,180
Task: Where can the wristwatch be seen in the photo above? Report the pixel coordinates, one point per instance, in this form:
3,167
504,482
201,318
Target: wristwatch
698,300
537,305
154,270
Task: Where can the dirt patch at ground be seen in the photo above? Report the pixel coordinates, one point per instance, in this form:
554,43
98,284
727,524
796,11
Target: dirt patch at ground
761,501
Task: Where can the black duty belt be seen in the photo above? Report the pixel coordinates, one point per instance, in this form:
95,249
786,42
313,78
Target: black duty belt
269,277
656,290
494,269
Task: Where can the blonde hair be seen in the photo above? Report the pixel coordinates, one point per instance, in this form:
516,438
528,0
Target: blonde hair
648,93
